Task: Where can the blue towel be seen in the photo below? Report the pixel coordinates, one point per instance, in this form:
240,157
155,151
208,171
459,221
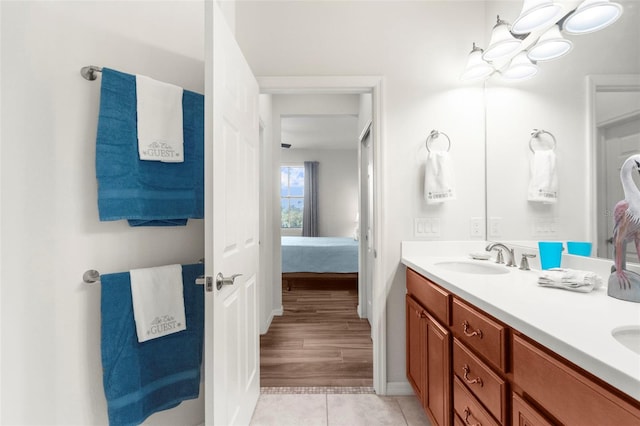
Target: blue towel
147,193
142,378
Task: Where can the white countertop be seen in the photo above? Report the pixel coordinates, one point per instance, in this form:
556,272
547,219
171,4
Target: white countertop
575,325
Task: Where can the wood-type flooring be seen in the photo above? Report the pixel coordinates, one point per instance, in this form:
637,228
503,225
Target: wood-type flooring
319,341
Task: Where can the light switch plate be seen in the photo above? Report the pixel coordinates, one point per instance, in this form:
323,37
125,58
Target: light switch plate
428,227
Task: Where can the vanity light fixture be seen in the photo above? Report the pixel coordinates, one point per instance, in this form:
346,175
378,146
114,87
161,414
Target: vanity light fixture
502,43
536,35
550,45
477,68
520,68
592,15
535,15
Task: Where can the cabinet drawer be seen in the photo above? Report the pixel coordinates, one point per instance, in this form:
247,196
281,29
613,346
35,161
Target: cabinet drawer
525,415
466,406
435,299
486,385
479,332
564,392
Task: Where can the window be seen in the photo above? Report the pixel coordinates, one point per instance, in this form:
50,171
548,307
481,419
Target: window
291,196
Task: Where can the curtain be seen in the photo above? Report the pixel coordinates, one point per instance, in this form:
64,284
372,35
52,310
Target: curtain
310,211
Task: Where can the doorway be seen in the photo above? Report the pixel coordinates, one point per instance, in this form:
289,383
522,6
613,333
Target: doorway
341,86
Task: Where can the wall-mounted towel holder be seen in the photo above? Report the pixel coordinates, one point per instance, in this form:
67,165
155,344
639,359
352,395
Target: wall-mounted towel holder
89,72
91,276
434,135
535,134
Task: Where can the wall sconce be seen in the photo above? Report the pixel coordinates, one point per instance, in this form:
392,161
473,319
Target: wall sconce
550,45
536,14
520,68
539,25
592,15
477,68
502,43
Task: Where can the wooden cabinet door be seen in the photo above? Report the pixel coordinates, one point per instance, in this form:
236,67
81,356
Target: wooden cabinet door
525,415
438,358
415,323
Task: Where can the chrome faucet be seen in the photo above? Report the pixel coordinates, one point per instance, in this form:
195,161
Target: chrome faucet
511,262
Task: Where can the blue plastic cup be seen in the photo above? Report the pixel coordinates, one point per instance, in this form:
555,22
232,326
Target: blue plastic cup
550,254
580,248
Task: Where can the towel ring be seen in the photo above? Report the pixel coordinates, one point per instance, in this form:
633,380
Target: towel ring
535,134
434,135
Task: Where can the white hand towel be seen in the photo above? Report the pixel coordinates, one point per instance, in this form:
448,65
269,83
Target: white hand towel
158,301
543,186
570,279
160,132
439,180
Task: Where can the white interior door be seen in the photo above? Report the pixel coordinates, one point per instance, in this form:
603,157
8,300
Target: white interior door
621,141
232,348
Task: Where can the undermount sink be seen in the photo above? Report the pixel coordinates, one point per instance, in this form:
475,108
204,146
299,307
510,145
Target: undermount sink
629,336
469,267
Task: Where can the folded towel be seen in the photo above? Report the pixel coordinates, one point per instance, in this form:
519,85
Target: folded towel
142,378
159,113
147,193
158,303
439,180
570,279
543,185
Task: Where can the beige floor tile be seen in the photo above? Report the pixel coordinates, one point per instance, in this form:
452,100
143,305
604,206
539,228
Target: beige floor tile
412,410
365,410
290,410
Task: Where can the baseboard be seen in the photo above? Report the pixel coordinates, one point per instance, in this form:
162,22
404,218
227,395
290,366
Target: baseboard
359,311
399,388
275,313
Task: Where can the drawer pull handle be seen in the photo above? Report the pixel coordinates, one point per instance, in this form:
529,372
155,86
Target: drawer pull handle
421,314
477,380
465,329
467,414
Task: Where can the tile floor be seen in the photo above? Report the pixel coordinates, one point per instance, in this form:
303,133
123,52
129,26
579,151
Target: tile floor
277,409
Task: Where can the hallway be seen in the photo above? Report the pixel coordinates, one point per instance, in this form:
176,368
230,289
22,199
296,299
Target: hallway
319,341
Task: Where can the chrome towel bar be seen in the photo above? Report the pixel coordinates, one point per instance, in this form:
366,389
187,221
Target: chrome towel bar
91,276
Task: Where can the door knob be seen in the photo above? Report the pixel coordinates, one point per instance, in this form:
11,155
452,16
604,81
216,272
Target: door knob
222,280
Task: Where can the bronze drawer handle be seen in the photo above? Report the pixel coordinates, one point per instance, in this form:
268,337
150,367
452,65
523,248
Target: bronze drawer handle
467,414
477,380
421,314
465,328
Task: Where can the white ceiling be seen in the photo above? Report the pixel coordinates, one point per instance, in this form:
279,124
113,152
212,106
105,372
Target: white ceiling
320,131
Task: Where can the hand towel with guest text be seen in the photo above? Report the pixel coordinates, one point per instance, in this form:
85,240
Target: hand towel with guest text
543,186
159,109
439,180
158,301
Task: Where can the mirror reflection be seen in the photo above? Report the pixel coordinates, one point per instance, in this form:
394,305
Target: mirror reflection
589,101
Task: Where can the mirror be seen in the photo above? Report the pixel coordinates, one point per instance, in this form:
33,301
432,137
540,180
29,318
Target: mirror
562,100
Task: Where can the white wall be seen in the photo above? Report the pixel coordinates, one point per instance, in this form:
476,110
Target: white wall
420,48
50,233
337,187
270,275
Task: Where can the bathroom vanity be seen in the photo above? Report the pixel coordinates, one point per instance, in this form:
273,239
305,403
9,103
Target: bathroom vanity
487,346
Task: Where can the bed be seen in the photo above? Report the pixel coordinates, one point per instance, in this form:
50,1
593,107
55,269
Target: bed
319,258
